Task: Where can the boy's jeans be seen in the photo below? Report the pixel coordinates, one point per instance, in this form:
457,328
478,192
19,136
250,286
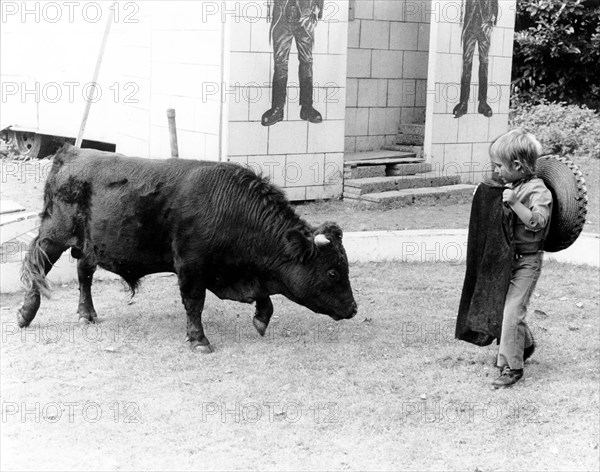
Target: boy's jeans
516,335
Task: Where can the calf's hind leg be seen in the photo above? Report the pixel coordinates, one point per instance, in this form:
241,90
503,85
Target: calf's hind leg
194,304
85,274
193,294
40,258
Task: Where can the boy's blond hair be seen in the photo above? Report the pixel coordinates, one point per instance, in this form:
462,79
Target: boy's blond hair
517,145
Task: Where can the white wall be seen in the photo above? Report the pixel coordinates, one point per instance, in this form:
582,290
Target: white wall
388,43
460,145
174,56
47,59
305,159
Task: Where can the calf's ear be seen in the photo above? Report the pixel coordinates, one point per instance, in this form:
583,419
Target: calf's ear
298,246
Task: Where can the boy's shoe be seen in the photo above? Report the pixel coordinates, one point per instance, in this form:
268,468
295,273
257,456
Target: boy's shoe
528,351
508,377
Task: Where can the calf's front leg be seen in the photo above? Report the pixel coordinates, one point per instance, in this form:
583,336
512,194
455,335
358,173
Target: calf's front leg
264,310
85,274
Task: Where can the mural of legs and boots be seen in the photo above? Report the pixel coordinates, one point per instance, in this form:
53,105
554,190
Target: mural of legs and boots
293,20
479,18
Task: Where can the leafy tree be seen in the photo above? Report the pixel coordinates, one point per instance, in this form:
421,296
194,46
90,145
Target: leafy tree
557,52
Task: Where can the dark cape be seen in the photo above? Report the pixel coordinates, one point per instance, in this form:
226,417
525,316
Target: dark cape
490,253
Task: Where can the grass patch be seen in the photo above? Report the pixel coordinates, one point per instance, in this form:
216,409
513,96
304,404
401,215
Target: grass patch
389,390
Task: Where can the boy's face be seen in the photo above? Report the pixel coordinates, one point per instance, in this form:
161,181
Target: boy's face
507,174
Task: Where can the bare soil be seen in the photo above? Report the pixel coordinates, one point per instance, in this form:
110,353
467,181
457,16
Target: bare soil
388,390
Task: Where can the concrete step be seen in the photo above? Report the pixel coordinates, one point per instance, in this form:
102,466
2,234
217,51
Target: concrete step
385,184
373,158
413,134
405,139
349,196
386,171
412,129
358,165
416,150
363,172
409,196
407,169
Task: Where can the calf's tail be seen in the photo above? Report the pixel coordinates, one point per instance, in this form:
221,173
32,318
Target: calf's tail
35,266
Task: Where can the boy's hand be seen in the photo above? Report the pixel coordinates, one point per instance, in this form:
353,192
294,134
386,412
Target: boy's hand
509,196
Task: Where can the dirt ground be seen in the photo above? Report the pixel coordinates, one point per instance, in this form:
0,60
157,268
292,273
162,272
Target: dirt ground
388,390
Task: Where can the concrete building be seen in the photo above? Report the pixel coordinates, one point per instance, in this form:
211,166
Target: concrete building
386,76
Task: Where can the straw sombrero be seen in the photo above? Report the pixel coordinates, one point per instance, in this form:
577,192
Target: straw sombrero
564,179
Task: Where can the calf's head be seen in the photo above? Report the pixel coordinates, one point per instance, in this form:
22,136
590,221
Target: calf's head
317,276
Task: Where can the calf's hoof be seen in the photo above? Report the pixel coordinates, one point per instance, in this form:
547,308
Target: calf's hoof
86,316
197,346
21,321
260,326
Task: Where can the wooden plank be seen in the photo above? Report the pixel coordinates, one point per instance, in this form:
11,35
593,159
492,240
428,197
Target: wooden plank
382,154
384,161
8,206
14,225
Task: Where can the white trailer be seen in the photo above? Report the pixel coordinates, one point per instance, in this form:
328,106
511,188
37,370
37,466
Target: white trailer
159,55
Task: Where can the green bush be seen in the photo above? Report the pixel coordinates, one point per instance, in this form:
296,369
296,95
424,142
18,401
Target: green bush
562,129
557,51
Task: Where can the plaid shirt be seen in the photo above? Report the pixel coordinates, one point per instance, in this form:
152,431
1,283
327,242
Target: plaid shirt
530,236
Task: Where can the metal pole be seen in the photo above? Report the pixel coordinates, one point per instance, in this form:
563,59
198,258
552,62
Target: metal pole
92,89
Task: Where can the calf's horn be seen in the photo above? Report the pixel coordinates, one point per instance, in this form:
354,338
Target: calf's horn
321,240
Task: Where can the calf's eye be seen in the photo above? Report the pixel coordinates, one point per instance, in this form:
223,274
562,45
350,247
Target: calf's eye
332,274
